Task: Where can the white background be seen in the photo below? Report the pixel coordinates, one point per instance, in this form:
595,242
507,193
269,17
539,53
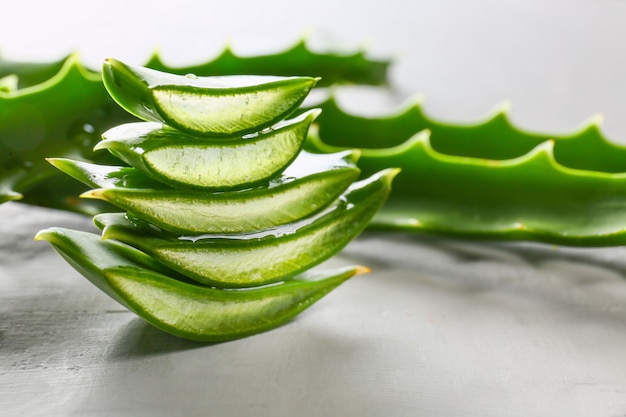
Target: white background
558,62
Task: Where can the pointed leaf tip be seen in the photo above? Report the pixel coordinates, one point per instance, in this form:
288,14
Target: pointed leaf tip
10,196
41,235
597,120
94,194
504,107
361,270
390,174
46,234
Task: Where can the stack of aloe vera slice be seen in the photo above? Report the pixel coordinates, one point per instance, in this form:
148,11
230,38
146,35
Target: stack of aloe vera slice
225,215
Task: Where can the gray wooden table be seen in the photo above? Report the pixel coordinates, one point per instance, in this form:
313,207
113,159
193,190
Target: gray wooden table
440,327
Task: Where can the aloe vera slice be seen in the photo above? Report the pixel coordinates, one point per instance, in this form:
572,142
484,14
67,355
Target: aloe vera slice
532,197
260,258
207,106
59,193
309,184
186,310
106,176
182,160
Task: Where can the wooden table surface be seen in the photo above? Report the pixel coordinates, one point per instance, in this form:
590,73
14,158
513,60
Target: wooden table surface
439,328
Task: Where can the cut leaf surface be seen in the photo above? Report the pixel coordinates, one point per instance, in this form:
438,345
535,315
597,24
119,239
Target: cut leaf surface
183,160
207,106
264,257
309,184
186,310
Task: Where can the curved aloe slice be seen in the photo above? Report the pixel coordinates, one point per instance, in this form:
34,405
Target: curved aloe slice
106,176
186,310
182,160
532,197
268,256
493,138
333,67
309,184
207,106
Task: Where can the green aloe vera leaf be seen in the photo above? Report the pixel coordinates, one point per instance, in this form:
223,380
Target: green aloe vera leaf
90,255
207,106
493,138
258,258
531,197
28,74
186,161
186,310
59,117
310,184
333,68
59,193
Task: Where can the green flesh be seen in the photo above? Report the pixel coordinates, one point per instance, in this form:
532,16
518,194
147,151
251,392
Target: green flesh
206,106
294,195
186,310
264,257
181,160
